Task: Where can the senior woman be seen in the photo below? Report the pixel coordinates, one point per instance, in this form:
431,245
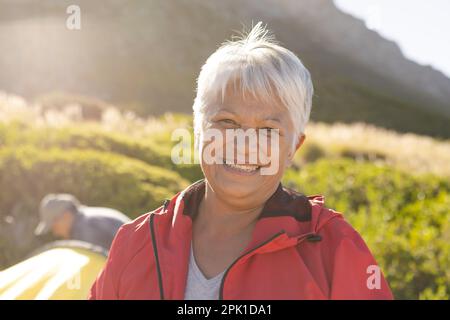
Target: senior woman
238,233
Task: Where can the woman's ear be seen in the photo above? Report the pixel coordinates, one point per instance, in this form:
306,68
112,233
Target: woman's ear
300,141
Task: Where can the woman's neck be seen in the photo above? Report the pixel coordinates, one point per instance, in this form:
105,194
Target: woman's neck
220,218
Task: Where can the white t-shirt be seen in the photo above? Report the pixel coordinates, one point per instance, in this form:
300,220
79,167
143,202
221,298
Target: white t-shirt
198,287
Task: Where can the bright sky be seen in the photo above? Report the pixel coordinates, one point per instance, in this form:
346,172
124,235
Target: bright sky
420,27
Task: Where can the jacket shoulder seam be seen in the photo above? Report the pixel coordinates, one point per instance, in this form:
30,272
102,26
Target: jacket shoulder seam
135,253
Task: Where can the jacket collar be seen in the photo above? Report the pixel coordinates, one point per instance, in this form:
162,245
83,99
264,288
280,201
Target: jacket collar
283,202
287,213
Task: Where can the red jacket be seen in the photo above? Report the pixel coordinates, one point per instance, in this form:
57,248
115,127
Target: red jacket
299,250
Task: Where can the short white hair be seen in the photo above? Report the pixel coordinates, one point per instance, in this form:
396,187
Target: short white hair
264,69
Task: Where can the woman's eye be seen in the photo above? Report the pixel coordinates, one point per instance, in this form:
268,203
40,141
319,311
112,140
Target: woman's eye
267,130
271,131
228,121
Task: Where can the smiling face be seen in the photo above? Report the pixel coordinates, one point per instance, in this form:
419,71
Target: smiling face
236,179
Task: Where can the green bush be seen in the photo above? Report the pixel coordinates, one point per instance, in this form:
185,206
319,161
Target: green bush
404,219
96,178
86,137
82,138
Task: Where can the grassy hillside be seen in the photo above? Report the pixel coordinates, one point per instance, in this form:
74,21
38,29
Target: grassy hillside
394,188
146,58
341,100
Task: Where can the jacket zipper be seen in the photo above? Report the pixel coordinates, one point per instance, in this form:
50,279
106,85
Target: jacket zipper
158,266
155,251
242,256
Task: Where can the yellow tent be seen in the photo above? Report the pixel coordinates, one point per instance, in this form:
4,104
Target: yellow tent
62,270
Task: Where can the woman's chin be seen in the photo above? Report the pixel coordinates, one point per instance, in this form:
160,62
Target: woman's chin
238,185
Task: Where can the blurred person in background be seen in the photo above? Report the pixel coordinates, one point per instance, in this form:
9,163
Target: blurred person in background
66,218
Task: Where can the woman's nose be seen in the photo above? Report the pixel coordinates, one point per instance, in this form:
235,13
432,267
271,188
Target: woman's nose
248,148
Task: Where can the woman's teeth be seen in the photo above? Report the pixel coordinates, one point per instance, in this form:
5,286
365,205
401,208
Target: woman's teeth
243,167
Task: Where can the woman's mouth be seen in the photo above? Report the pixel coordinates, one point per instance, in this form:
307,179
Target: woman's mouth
243,169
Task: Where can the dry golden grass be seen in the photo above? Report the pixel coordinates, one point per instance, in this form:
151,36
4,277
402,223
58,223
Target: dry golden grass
411,152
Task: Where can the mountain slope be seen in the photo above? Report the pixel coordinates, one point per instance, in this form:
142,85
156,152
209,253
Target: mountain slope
145,55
